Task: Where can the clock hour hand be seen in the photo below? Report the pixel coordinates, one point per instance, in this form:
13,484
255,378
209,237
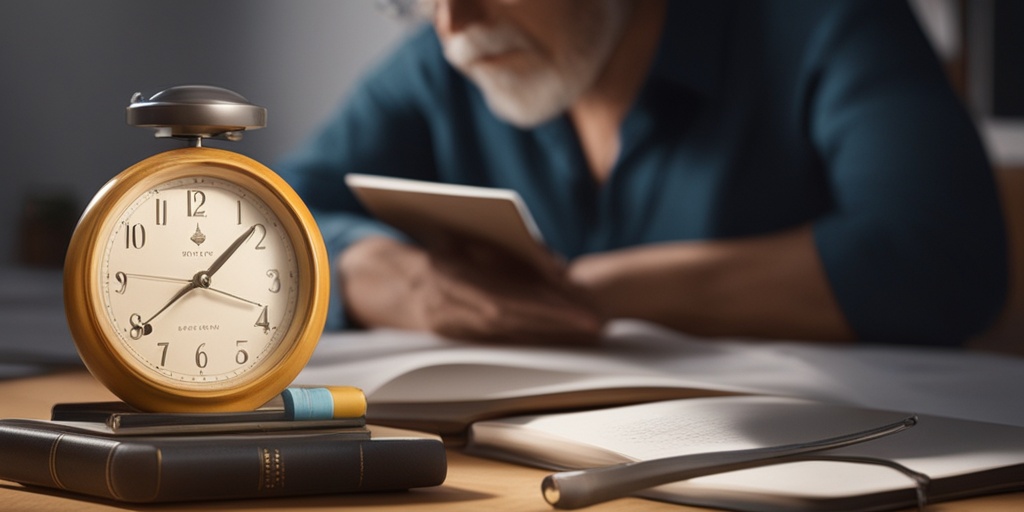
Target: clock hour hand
236,297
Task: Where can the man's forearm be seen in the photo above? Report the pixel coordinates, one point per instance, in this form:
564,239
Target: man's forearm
769,286
481,294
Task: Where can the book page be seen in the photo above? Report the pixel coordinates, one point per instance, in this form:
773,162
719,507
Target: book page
927,380
698,425
401,366
938,447
421,369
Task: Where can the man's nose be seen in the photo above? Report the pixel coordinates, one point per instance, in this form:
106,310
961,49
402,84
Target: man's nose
453,16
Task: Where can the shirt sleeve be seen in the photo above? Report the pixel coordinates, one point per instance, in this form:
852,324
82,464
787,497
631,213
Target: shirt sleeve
379,129
915,250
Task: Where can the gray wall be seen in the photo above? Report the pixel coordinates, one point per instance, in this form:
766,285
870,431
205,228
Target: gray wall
69,68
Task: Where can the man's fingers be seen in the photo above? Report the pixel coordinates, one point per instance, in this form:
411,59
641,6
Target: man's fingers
534,314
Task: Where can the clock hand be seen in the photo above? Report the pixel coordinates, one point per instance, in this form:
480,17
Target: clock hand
181,293
233,296
200,280
157,278
122,279
219,262
141,328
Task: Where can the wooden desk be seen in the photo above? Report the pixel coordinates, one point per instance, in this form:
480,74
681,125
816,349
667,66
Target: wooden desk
473,484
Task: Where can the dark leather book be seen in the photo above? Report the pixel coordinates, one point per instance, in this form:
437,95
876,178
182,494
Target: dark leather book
144,469
118,418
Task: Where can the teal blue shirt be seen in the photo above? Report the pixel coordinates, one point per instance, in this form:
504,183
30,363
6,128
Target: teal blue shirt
757,116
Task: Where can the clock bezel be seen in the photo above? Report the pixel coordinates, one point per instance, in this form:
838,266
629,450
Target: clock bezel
84,305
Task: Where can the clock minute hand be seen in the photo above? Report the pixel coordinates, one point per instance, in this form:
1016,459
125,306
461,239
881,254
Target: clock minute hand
223,258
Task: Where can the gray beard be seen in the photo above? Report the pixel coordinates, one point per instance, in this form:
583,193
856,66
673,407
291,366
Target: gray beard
528,99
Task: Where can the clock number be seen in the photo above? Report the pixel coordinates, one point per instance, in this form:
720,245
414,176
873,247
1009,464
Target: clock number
275,280
201,357
135,237
196,200
263,236
239,212
241,357
263,321
163,353
122,279
138,329
161,212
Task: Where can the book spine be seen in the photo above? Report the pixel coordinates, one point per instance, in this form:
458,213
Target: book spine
227,467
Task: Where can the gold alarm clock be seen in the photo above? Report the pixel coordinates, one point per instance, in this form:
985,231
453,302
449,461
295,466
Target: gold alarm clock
196,280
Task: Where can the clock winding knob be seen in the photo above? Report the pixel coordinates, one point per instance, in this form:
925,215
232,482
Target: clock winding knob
196,112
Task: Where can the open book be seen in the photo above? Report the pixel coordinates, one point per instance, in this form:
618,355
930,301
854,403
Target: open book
959,457
531,404
438,213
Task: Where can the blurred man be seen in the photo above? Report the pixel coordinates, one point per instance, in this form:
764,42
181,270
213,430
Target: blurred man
795,169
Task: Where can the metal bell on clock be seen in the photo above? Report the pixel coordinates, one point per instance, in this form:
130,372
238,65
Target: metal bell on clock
196,112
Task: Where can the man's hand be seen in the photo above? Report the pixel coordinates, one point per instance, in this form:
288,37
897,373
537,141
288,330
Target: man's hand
768,286
470,291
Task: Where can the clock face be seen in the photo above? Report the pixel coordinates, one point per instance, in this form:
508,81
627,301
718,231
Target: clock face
198,280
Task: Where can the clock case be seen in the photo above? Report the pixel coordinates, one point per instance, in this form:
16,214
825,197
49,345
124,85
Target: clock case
92,333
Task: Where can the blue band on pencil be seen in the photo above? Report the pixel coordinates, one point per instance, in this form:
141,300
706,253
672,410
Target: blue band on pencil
303,404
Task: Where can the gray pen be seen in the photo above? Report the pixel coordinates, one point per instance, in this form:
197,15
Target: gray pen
584,487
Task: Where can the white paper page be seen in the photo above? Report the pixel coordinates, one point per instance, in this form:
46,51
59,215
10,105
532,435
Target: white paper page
938,447
399,365
945,382
934,380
